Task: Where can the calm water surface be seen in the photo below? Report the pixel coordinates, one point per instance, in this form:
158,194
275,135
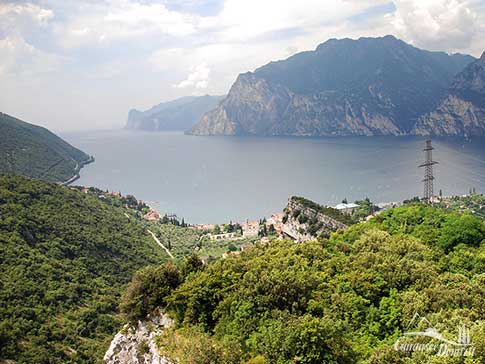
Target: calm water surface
217,179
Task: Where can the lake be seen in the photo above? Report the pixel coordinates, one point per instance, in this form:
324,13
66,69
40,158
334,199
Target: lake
217,179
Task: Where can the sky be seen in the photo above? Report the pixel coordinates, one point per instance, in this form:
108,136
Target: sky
83,64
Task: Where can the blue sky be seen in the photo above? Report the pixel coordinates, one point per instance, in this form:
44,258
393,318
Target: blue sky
82,64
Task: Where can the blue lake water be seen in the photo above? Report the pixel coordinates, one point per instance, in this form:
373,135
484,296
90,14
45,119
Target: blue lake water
217,179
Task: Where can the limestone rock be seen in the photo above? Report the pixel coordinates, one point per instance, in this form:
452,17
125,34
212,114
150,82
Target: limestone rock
136,345
305,221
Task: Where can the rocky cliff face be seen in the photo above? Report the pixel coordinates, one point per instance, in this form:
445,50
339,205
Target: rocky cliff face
304,221
370,86
255,106
136,345
179,114
462,110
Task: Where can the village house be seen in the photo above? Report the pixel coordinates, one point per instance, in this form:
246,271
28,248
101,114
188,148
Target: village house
152,215
250,229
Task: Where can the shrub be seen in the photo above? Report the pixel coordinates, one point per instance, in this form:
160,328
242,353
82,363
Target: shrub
148,289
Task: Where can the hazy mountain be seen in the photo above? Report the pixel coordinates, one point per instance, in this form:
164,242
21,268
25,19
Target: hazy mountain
32,151
179,114
462,110
368,86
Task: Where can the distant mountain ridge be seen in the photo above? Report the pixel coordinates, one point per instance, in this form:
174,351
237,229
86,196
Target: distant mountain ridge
178,114
369,86
32,151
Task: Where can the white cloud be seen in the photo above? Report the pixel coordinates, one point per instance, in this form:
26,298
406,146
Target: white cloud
19,58
245,19
436,24
101,23
198,78
12,13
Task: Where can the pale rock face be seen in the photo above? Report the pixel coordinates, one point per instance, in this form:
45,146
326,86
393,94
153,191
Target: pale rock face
300,232
256,107
136,345
455,117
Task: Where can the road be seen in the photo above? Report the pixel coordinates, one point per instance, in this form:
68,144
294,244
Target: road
160,243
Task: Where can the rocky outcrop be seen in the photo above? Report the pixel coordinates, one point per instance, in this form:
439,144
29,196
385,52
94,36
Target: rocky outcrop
370,86
305,220
179,114
462,111
136,345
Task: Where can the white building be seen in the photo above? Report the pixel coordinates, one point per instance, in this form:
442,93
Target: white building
346,208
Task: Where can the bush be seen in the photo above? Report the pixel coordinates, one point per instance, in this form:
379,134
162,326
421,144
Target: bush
461,229
148,289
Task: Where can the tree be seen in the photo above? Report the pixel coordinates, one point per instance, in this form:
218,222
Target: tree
148,289
217,229
462,229
192,264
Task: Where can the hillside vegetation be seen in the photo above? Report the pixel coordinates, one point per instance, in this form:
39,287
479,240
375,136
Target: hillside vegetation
64,259
346,299
32,151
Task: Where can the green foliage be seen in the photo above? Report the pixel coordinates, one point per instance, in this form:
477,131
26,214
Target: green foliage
192,264
342,300
148,289
462,229
64,259
32,151
192,346
182,239
433,225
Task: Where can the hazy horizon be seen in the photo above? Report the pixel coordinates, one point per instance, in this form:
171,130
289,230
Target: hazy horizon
82,65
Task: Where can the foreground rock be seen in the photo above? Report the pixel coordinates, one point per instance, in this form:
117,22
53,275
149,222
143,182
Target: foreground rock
136,345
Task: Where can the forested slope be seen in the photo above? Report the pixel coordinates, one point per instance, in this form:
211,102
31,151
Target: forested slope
32,151
346,299
64,259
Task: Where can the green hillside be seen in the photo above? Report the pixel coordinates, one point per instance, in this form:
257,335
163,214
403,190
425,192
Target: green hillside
32,151
343,300
64,259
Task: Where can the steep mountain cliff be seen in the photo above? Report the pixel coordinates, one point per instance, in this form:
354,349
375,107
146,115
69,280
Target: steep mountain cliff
369,86
306,220
32,151
462,110
179,114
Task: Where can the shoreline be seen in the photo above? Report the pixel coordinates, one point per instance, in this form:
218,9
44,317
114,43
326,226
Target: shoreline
78,168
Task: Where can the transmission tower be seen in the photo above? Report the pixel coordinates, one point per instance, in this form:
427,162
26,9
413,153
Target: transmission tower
428,171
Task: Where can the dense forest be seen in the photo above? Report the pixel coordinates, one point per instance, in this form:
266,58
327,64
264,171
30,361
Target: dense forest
346,299
65,257
32,151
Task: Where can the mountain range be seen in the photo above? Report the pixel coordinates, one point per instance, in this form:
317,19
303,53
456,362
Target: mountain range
461,112
179,114
369,86
32,151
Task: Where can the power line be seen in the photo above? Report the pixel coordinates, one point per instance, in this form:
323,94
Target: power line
428,171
